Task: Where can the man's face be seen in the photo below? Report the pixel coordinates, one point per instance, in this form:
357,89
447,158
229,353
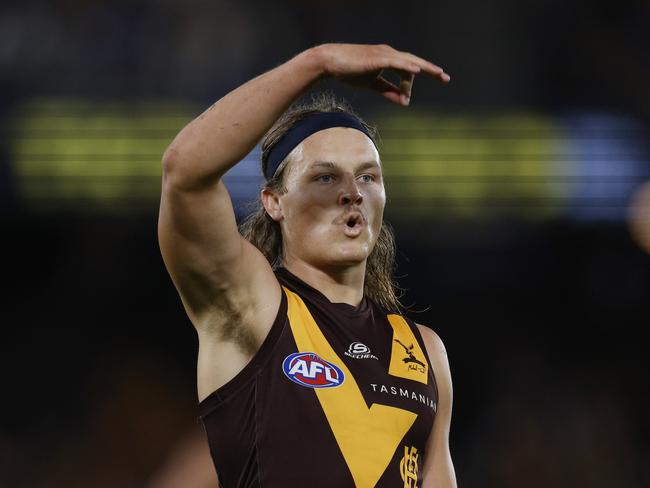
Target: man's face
332,211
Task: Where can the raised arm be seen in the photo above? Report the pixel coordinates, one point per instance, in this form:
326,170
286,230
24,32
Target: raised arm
212,266
210,263
226,285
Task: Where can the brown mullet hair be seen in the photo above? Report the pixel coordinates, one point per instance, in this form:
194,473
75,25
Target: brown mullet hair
265,233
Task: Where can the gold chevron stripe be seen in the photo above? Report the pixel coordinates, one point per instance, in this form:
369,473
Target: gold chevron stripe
367,437
411,370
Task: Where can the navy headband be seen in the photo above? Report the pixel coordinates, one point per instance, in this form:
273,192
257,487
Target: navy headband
302,129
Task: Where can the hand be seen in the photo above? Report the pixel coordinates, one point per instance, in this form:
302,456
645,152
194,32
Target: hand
363,65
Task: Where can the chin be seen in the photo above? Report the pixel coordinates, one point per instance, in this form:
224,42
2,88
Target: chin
350,255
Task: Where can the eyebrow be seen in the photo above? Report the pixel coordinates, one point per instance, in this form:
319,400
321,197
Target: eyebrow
362,166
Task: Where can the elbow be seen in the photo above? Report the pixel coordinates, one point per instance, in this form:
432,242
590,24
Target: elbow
170,159
181,171
175,170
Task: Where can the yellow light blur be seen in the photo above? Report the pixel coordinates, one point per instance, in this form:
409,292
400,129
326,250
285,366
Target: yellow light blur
88,156
471,165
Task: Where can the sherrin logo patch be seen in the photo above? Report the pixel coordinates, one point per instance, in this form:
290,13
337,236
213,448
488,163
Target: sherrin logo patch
310,370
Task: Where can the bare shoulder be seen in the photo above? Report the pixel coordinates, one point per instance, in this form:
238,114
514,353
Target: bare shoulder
438,356
432,341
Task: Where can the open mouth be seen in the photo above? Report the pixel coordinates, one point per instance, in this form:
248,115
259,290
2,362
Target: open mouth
353,224
353,221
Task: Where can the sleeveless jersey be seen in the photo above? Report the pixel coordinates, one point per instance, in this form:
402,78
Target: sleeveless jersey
336,396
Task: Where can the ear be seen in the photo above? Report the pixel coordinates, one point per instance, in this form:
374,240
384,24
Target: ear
271,203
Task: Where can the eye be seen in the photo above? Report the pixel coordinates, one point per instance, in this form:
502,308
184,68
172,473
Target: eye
325,178
367,178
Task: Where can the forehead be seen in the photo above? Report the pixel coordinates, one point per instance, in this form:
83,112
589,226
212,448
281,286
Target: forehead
341,145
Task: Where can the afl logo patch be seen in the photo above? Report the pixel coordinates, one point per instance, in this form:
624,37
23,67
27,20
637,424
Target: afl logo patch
307,369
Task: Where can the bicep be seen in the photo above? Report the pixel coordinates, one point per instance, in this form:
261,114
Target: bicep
438,469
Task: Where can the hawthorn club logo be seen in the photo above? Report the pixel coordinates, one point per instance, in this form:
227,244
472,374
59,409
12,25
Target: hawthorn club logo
408,467
410,359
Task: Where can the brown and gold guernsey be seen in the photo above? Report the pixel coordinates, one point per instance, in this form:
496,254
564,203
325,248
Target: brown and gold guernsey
337,396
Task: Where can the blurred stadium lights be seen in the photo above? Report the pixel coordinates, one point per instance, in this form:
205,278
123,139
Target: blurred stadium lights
612,158
83,155
470,165
94,156
578,168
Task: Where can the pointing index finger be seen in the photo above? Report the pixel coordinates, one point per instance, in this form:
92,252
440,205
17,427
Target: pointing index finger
428,67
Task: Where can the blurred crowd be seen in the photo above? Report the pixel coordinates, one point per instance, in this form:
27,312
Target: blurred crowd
553,55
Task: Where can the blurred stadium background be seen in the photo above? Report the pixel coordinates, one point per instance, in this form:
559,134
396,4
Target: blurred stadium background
520,196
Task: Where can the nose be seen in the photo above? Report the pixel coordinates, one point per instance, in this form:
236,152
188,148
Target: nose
350,196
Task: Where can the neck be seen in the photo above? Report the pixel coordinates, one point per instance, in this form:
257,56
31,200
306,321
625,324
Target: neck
340,284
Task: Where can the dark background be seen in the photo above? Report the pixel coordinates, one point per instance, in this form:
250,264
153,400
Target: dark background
543,318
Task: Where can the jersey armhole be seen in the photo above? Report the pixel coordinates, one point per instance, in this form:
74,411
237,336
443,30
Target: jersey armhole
420,339
254,366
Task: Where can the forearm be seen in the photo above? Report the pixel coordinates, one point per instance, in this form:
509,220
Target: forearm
220,137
